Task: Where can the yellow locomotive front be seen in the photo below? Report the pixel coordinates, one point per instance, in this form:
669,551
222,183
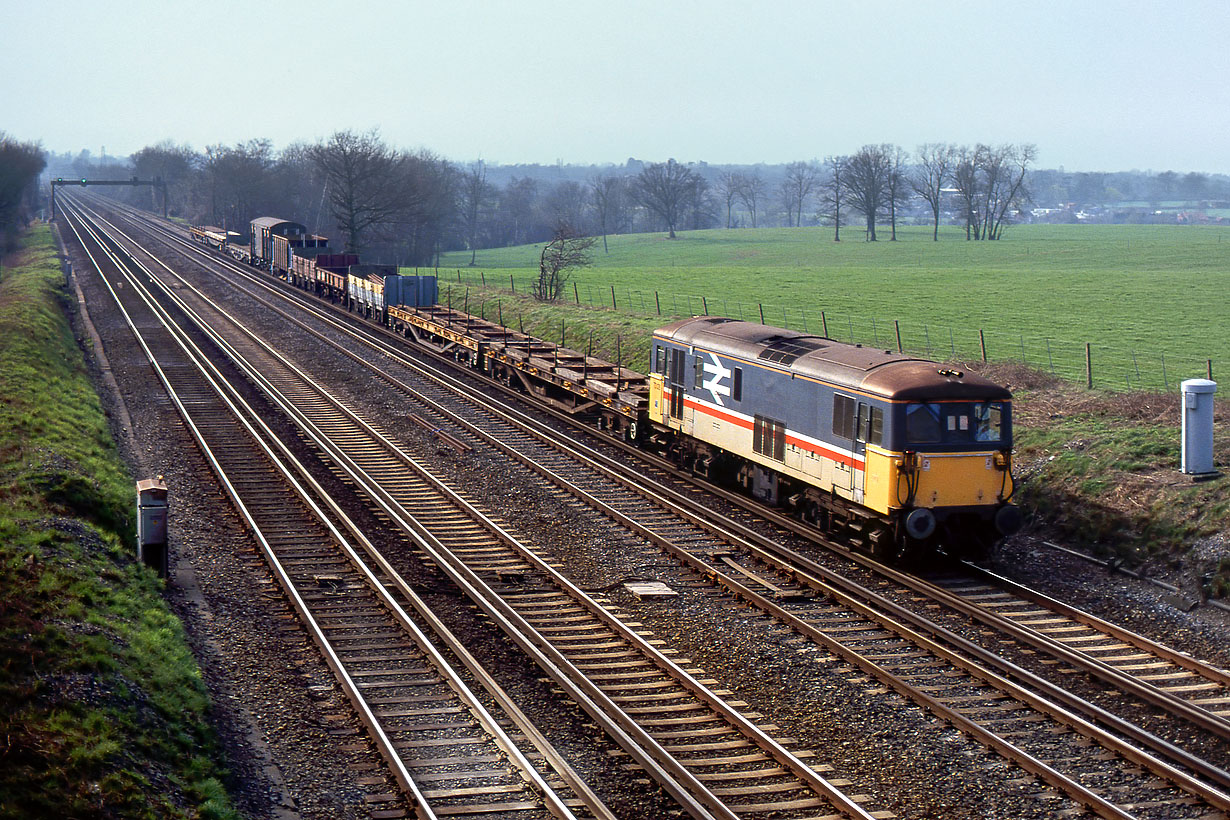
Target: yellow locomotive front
946,472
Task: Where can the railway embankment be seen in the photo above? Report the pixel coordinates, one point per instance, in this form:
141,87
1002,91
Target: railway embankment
102,708
1098,471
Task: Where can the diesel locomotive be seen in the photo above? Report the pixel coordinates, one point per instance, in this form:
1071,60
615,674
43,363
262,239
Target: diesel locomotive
903,453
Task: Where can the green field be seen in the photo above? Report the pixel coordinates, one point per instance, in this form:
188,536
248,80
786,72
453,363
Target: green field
1153,301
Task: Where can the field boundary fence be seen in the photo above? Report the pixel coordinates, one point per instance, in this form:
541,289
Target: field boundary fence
1100,363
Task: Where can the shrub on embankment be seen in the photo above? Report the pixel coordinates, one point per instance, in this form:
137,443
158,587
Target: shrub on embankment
103,712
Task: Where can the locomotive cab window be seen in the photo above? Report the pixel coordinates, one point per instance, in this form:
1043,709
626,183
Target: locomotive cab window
698,372
988,421
922,424
870,424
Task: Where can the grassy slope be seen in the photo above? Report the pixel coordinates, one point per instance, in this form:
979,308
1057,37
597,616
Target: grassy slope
1151,290
103,708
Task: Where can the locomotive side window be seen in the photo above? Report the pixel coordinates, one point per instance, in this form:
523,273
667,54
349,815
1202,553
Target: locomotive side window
922,423
659,359
843,417
736,388
875,426
988,421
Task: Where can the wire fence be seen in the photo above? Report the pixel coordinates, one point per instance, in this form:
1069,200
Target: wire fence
1094,362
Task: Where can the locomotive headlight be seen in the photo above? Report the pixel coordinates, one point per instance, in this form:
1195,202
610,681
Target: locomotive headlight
1003,459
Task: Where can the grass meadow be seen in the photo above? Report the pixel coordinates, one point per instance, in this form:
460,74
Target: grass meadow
1152,301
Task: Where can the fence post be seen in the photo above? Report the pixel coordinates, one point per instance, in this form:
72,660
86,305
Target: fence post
483,274
511,284
1089,366
824,322
761,306
705,304
613,305
1208,363
982,342
576,294
897,325
657,300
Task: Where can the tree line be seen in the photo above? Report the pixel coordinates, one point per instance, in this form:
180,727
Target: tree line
408,207
20,166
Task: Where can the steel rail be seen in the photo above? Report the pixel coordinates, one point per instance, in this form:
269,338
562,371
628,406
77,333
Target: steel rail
263,439
733,584
676,779
473,582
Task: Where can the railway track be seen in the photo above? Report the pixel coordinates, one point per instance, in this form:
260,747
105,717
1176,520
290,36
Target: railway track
695,737
445,750
920,659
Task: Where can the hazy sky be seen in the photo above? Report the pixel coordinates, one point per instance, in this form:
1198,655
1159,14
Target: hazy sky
1096,85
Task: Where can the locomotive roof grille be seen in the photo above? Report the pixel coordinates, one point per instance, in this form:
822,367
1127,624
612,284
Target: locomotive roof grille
787,351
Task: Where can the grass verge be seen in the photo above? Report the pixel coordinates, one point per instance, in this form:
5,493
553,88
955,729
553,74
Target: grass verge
104,710
1101,470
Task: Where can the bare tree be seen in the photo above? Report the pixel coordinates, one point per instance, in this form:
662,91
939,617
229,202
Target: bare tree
365,183
832,193
608,194
173,164
566,204
239,181
698,205
474,194
801,181
567,251
990,182
935,165
515,217
866,183
1004,170
664,188
897,187
727,190
429,190
965,181
751,193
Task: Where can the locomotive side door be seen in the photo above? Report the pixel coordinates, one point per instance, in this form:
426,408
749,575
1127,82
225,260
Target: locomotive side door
862,427
674,380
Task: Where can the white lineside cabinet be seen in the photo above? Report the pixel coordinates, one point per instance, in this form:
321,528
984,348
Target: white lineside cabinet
1197,452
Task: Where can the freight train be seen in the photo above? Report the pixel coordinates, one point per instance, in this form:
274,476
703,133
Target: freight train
901,455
